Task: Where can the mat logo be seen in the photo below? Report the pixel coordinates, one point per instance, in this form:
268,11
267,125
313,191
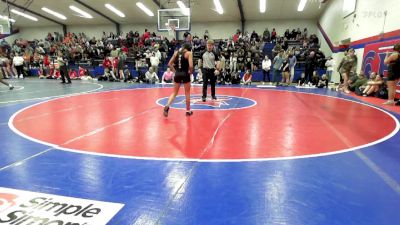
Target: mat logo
221,103
224,101
7,201
23,208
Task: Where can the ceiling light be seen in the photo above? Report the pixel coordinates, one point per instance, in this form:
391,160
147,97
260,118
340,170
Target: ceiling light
116,11
24,15
185,11
6,18
81,12
302,4
145,9
263,6
56,14
218,6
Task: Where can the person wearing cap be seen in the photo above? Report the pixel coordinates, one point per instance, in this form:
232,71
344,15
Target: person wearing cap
393,62
181,64
211,69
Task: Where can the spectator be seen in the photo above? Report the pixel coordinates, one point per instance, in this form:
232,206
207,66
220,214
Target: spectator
311,64
151,76
266,67
236,77
302,80
278,62
330,64
373,85
361,81
199,77
292,65
315,78
266,35
167,77
121,65
323,83
18,63
107,65
346,66
273,35
154,61
247,78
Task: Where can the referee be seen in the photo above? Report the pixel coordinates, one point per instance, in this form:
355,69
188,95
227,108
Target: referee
210,62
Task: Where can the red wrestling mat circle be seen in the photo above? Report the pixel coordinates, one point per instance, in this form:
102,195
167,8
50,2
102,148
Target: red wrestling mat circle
130,123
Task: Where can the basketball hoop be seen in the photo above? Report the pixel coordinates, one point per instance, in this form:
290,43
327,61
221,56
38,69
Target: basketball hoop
171,31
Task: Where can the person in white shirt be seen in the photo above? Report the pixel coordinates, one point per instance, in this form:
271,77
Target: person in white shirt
330,64
18,63
151,76
199,77
154,61
266,67
158,54
233,62
222,61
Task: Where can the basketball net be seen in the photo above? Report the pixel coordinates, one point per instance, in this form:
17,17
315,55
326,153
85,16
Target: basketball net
171,31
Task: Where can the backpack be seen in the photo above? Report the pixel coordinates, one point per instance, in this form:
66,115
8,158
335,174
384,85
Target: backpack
382,92
358,91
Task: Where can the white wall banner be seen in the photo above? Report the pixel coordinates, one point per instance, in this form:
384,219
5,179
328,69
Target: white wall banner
24,207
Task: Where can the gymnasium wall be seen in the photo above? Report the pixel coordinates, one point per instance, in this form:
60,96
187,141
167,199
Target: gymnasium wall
217,30
282,25
366,25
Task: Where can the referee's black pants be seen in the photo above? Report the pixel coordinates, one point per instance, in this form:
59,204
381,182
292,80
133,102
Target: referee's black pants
64,74
208,74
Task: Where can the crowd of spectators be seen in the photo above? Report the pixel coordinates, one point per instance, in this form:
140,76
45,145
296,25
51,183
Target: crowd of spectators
116,53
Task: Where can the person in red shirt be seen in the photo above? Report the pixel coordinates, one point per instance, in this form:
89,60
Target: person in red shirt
125,49
146,35
46,65
273,35
81,71
115,65
107,64
247,78
73,75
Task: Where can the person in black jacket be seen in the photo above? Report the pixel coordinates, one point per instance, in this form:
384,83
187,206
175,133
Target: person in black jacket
310,66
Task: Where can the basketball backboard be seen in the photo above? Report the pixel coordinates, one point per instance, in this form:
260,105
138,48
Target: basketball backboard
173,18
4,26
